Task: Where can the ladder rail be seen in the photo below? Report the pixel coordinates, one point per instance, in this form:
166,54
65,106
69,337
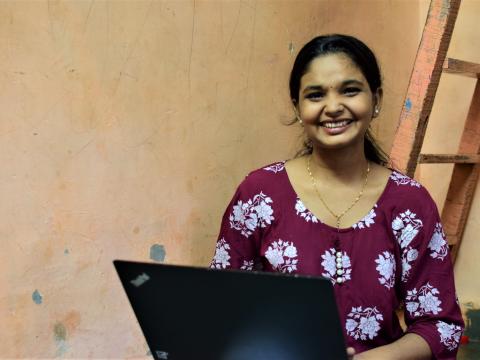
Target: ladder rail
423,84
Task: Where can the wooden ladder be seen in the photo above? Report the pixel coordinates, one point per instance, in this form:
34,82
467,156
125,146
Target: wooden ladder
430,62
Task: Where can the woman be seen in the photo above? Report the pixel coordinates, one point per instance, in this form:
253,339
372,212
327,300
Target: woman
338,211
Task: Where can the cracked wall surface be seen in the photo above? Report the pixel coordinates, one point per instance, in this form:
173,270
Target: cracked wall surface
125,129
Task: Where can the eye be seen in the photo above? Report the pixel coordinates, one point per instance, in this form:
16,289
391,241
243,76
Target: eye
315,95
351,91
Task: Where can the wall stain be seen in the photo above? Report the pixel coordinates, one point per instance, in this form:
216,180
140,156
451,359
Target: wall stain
60,336
291,48
71,321
136,230
60,332
157,252
37,297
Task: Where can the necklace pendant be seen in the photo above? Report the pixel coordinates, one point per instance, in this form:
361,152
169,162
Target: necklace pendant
338,260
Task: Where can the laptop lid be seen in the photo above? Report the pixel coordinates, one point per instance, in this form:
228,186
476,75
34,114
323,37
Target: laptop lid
189,313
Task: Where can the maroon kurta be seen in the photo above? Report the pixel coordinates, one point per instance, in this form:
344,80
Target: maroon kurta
396,253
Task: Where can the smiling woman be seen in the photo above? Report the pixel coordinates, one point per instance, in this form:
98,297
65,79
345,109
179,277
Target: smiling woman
340,211
317,73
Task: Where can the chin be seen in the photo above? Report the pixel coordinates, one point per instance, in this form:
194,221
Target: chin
339,143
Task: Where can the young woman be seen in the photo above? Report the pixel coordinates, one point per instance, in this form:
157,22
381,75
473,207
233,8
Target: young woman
337,210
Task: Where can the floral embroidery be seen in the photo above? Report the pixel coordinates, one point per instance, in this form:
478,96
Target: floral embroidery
405,228
330,265
220,260
424,301
401,179
438,245
367,220
304,212
449,334
282,256
386,269
247,265
275,167
363,323
256,213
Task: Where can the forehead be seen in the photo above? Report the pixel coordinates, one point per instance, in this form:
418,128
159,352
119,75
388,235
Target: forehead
331,70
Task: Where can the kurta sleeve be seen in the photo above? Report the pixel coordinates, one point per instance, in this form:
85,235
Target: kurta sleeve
247,214
427,284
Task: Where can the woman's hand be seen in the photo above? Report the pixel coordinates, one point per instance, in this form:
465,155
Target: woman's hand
408,347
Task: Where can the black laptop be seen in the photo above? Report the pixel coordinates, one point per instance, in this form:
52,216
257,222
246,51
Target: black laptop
189,313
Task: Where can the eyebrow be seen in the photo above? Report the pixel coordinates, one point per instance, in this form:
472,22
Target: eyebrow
344,83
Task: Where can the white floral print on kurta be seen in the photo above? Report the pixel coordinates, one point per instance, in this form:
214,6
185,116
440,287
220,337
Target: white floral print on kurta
424,301
247,265
275,167
282,256
363,323
252,214
401,179
330,265
304,212
438,245
386,268
405,227
449,334
222,257
367,220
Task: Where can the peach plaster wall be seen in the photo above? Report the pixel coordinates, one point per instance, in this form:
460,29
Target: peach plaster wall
125,129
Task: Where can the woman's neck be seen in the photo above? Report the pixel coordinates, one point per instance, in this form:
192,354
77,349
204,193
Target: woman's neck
339,165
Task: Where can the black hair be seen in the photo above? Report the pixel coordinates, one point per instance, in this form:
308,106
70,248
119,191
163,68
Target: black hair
362,56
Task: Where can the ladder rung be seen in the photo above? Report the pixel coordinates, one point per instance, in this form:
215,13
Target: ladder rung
449,158
460,67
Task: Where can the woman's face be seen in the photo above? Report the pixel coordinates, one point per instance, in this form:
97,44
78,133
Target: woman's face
335,103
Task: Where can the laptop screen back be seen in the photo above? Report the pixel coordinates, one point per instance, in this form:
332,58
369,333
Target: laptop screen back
196,313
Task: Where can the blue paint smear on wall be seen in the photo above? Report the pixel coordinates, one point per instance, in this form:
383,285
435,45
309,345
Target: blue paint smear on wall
157,252
408,104
36,297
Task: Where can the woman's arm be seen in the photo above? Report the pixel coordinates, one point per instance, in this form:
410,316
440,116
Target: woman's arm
432,313
409,347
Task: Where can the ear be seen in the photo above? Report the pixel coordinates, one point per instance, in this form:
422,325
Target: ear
377,102
296,112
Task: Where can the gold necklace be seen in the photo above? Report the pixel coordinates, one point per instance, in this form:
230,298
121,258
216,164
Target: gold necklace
338,217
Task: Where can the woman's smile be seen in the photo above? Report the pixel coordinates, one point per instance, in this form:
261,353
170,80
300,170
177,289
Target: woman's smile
335,127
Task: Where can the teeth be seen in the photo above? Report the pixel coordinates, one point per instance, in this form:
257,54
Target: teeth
332,125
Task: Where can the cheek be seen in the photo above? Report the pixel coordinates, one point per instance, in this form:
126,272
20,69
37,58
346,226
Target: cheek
310,111
361,106
362,109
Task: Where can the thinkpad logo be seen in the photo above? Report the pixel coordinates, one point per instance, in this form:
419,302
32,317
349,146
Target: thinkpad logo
162,355
140,280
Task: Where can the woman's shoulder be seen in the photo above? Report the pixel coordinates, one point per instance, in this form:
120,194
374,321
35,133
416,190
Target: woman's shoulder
267,171
406,191
265,177
403,181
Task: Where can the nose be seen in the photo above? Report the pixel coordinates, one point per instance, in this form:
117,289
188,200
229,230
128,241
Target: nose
333,107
